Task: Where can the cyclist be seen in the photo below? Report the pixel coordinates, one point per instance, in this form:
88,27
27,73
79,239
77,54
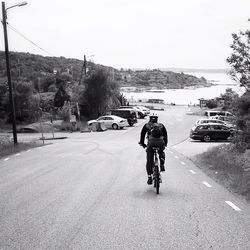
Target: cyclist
157,137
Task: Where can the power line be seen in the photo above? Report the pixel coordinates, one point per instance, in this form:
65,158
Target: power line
27,39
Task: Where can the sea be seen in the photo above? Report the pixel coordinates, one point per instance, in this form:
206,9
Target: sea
190,96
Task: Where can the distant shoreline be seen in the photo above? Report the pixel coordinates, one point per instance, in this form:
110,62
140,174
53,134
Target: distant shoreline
188,70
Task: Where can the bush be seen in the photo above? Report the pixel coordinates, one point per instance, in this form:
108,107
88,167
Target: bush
211,104
4,141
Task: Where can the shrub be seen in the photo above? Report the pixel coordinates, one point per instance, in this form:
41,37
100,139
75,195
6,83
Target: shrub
211,104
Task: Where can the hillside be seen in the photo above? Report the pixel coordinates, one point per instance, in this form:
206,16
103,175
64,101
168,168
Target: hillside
160,79
31,67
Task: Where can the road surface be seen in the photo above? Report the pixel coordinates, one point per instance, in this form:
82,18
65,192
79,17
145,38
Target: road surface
89,192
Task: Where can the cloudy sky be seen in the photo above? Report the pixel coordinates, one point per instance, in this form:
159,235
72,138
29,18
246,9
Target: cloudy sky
130,33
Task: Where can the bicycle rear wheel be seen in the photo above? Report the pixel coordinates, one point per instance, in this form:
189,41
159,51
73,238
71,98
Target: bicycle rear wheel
157,180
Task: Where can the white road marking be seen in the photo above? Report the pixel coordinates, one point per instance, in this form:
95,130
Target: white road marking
28,150
183,163
6,159
17,154
176,157
192,171
206,184
233,206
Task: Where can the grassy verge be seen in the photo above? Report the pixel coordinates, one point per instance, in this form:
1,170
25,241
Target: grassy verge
228,167
7,146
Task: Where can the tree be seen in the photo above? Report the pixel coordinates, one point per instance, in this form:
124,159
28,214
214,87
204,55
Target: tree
100,94
240,72
61,97
240,59
26,102
3,99
228,98
46,83
211,104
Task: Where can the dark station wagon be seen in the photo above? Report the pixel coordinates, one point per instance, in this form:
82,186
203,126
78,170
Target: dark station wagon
210,131
129,114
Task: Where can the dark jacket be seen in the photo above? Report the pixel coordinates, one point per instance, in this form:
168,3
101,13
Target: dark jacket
146,130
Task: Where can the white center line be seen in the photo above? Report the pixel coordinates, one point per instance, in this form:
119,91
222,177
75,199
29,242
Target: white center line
192,171
28,150
6,159
183,163
206,184
18,154
176,157
233,206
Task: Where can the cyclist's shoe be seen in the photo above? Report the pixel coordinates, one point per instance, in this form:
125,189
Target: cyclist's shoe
150,180
162,168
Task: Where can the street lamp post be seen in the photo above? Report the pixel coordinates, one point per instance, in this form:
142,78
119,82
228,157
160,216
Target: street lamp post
11,97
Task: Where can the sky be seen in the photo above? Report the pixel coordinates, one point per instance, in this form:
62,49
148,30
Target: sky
129,33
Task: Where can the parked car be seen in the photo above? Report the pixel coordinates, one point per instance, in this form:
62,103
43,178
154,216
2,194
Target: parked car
126,113
224,118
211,120
144,110
210,113
111,121
140,110
211,131
139,113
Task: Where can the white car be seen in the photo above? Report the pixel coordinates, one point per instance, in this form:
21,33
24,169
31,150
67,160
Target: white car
143,109
224,118
111,121
212,120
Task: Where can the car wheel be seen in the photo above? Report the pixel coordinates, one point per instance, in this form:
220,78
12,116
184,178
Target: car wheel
115,126
206,138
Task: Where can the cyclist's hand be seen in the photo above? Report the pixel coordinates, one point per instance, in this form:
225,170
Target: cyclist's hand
143,145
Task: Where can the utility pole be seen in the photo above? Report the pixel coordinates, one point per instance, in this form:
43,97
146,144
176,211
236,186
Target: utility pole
11,98
84,67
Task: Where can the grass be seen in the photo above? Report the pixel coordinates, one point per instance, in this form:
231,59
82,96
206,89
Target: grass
228,167
7,146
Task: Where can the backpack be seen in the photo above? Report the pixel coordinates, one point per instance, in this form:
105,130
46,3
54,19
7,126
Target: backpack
155,130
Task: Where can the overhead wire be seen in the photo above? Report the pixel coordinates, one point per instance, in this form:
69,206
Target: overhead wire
27,39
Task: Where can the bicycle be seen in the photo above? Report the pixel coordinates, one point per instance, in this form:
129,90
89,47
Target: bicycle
156,173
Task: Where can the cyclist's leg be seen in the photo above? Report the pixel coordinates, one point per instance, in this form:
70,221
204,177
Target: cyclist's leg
161,152
150,157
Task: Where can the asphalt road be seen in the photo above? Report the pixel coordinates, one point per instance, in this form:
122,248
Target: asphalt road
89,192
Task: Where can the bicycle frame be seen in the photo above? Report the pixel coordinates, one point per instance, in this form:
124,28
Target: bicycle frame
156,172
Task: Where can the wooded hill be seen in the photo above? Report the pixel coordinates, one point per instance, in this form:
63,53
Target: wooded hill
42,85
159,79
31,67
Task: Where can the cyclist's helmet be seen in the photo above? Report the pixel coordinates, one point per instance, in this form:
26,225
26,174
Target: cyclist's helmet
153,118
